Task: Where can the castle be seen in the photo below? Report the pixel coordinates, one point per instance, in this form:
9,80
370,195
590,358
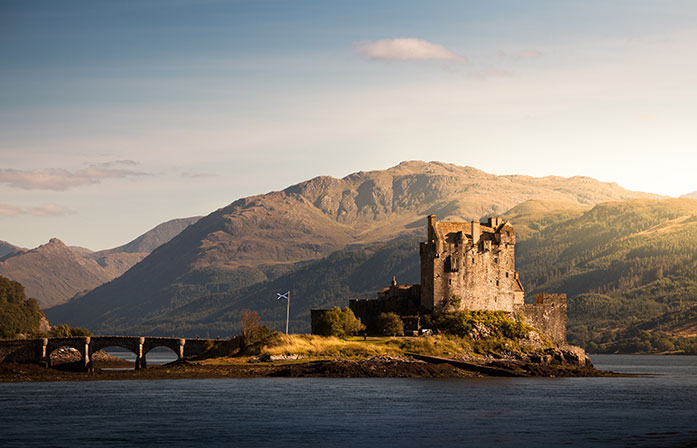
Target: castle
473,262
466,266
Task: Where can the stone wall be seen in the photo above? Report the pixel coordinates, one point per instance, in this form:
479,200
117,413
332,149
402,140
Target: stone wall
548,315
471,261
21,350
405,302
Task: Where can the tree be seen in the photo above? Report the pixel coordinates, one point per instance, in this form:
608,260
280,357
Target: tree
66,331
338,322
389,324
250,322
253,331
18,314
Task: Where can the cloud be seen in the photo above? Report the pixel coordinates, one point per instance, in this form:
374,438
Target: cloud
406,50
60,179
198,175
489,73
43,210
527,54
113,163
10,210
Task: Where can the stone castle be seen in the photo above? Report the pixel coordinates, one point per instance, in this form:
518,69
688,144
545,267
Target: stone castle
472,262
466,266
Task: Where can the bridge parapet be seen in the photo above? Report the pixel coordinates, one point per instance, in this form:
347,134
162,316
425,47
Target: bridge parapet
39,350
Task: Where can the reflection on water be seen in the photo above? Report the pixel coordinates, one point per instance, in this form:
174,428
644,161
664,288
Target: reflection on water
656,410
157,356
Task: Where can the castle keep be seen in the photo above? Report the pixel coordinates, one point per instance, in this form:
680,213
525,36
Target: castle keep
466,266
470,265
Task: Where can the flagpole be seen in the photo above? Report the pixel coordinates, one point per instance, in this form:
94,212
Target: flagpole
287,312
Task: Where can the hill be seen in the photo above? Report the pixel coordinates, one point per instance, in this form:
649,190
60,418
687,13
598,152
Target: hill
628,268
7,248
264,238
54,272
623,266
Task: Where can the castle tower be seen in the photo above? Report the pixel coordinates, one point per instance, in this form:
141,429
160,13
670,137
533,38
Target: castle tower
470,265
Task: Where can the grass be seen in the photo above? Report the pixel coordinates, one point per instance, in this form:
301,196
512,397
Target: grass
328,346
321,347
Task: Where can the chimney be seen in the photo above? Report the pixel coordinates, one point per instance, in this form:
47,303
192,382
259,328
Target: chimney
476,232
431,227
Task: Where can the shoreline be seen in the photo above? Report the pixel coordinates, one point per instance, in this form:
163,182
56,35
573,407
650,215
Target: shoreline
319,368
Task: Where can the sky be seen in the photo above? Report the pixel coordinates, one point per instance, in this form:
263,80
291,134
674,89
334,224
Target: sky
118,116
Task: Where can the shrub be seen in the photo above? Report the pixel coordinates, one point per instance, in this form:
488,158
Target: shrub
338,322
66,331
460,323
389,324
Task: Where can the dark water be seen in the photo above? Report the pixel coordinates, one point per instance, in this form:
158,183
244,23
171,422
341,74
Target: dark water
657,410
157,356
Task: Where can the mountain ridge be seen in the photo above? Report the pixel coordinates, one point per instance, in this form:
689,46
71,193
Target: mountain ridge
256,239
53,273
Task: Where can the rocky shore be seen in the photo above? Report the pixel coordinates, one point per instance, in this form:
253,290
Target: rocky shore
374,367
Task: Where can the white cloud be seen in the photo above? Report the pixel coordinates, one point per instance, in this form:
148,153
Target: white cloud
60,179
198,175
406,50
10,210
113,163
43,210
527,54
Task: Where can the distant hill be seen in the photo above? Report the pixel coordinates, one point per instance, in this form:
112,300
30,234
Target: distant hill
53,273
263,238
620,263
534,215
692,195
7,248
153,238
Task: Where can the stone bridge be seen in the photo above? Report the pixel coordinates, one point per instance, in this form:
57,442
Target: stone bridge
39,350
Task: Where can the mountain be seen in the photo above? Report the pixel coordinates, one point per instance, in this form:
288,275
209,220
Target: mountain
7,248
53,273
628,268
153,238
262,238
692,195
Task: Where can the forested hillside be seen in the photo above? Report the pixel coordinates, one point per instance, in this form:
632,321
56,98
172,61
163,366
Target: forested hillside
622,265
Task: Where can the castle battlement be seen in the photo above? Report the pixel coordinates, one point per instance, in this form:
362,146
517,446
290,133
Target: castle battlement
470,265
467,266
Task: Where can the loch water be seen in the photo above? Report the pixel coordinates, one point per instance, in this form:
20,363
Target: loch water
658,409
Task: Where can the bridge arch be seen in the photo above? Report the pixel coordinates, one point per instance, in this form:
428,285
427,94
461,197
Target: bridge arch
81,344
174,344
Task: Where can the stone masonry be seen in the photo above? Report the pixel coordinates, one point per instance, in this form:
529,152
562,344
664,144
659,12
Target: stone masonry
470,265
467,266
39,350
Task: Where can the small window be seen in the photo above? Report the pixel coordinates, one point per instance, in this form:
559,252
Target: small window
450,282
473,261
506,274
497,283
496,260
508,233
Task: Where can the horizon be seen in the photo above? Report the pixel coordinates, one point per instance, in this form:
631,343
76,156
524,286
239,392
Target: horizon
117,117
